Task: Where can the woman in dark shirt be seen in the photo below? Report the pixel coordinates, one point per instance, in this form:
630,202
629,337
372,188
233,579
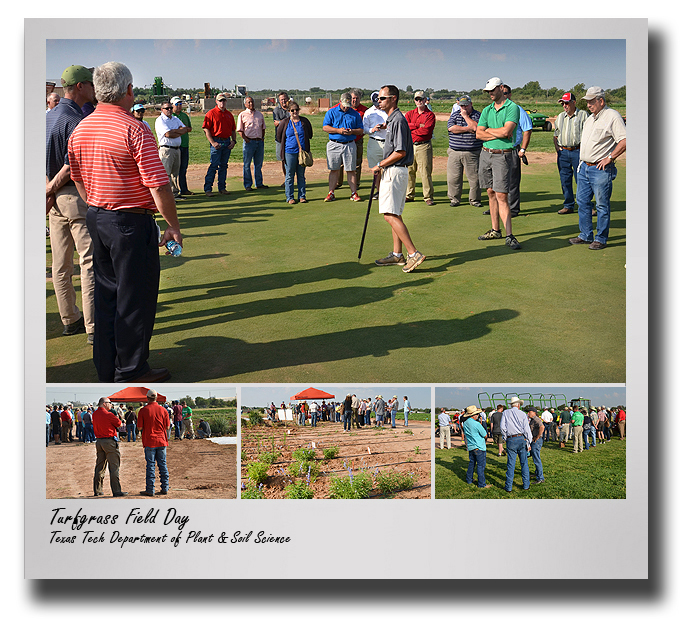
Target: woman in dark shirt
290,150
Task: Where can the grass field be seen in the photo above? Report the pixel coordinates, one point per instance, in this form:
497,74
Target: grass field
268,292
597,473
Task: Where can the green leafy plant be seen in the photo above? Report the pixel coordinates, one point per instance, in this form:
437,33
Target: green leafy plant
330,452
417,450
299,490
389,482
408,431
303,468
269,457
243,456
304,454
351,486
253,492
257,472
255,418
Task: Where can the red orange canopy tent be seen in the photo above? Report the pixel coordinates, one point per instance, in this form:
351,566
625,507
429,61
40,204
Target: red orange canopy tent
312,393
134,393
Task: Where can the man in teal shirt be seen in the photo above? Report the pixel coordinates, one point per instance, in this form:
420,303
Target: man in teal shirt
497,128
475,435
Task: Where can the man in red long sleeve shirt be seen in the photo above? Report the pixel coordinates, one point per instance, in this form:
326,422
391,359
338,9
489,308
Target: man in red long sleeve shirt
106,425
421,122
153,420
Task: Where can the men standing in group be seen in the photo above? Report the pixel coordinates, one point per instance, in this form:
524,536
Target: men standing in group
115,166
67,216
252,128
106,425
537,429
179,112
475,435
464,150
523,133
568,128
497,128
219,129
515,429
444,427
398,154
153,421
374,126
280,113
603,140
344,125
421,122
577,423
169,130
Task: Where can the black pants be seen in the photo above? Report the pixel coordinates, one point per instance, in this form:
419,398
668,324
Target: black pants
127,279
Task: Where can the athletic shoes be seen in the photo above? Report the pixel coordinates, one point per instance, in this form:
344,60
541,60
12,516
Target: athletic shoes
391,260
330,197
512,242
490,235
355,197
413,261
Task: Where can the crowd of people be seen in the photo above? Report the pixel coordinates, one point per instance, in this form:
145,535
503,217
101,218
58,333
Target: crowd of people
520,434
352,411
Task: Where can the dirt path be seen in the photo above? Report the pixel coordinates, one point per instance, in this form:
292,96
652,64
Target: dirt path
370,449
198,469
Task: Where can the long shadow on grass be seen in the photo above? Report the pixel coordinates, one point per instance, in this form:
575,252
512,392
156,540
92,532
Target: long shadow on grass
325,299
495,470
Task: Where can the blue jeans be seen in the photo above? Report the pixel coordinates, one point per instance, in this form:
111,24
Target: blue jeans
478,462
131,432
88,434
302,418
347,420
219,159
535,449
177,429
394,418
586,431
293,169
313,417
155,455
406,418
567,164
593,435
593,182
516,448
252,150
378,419
78,431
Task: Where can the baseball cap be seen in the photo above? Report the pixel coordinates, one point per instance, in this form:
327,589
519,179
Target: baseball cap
221,97
464,100
418,94
594,92
492,82
76,74
374,97
568,97
345,98
137,107
175,99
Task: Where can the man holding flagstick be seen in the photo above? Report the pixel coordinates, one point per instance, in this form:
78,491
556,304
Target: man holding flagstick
398,154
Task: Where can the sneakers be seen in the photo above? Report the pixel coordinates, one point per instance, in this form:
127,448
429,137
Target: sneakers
475,204
512,242
355,197
454,203
78,327
391,260
413,261
578,240
490,235
330,197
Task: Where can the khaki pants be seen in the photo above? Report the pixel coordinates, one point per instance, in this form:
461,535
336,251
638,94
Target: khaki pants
620,427
445,432
466,161
68,227
423,164
565,432
578,438
171,160
107,454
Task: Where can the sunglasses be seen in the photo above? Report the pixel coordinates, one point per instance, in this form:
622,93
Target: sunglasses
294,110
385,97
418,99
166,108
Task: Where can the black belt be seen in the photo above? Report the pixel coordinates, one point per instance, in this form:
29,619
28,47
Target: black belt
419,143
173,147
497,151
137,210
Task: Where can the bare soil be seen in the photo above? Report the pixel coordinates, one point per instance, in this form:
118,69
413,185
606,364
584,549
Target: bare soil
198,469
366,448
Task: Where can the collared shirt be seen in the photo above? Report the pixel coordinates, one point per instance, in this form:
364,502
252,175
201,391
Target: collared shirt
153,420
546,416
537,426
565,416
524,124
577,419
398,137
493,118
463,141
164,125
252,124
443,419
220,122
416,119
60,123
349,119
371,118
279,113
568,129
116,159
184,117
106,424
601,133
515,421
475,434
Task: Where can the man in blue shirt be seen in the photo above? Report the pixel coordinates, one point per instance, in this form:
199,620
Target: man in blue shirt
344,125
475,435
515,430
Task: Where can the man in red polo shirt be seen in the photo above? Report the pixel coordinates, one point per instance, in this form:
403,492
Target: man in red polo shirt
66,425
153,420
116,168
421,121
219,128
106,425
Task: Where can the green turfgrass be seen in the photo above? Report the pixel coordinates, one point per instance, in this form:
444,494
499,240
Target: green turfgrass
598,473
268,292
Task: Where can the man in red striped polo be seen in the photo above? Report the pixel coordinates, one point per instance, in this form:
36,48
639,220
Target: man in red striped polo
116,167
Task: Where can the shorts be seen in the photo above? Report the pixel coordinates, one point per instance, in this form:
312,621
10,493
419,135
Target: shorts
338,154
393,190
494,171
498,439
375,152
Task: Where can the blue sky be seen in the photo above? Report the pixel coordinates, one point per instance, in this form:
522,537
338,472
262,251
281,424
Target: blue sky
461,397
261,397
274,64
92,394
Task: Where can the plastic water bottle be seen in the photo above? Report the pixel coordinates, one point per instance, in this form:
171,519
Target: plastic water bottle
174,248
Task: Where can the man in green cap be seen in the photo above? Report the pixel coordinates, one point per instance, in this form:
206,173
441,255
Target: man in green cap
67,212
